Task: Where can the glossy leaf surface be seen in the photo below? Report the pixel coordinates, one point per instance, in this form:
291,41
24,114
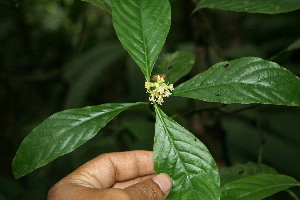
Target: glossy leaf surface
103,4
142,27
251,6
229,174
62,133
175,65
257,187
246,80
188,162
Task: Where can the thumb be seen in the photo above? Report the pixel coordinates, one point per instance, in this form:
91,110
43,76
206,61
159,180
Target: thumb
156,188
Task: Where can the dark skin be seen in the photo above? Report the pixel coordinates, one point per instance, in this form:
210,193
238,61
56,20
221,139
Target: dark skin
114,176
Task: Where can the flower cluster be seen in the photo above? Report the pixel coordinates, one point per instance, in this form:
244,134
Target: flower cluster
158,90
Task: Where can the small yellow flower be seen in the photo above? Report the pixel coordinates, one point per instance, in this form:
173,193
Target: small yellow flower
158,90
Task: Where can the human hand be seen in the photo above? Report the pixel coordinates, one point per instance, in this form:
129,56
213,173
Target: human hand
114,176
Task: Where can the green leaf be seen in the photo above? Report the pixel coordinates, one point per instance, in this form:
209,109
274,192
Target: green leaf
251,6
102,4
188,162
257,187
175,65
142,27
246,80
229,174
62,133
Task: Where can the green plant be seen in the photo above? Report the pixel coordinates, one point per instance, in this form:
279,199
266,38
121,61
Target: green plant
142,27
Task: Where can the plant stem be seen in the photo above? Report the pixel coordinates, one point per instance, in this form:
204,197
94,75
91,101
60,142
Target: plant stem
292,194
261,144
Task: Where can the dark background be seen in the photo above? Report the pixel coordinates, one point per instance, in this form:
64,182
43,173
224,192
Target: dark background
62,54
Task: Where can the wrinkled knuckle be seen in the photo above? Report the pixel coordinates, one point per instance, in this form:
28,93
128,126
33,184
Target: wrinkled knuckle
149,192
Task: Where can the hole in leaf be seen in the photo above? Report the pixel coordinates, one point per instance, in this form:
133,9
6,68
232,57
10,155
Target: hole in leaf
218,94
226,65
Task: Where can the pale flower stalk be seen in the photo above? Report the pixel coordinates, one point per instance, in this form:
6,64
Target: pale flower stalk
158,90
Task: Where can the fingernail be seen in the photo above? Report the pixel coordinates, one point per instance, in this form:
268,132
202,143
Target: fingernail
164,182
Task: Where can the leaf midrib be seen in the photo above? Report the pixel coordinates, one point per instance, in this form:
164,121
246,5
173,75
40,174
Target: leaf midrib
144,44
166,130
68,129
220,84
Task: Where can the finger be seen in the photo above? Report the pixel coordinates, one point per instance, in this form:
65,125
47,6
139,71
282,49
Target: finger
157,188
76,192
124,184
151,189
107,169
